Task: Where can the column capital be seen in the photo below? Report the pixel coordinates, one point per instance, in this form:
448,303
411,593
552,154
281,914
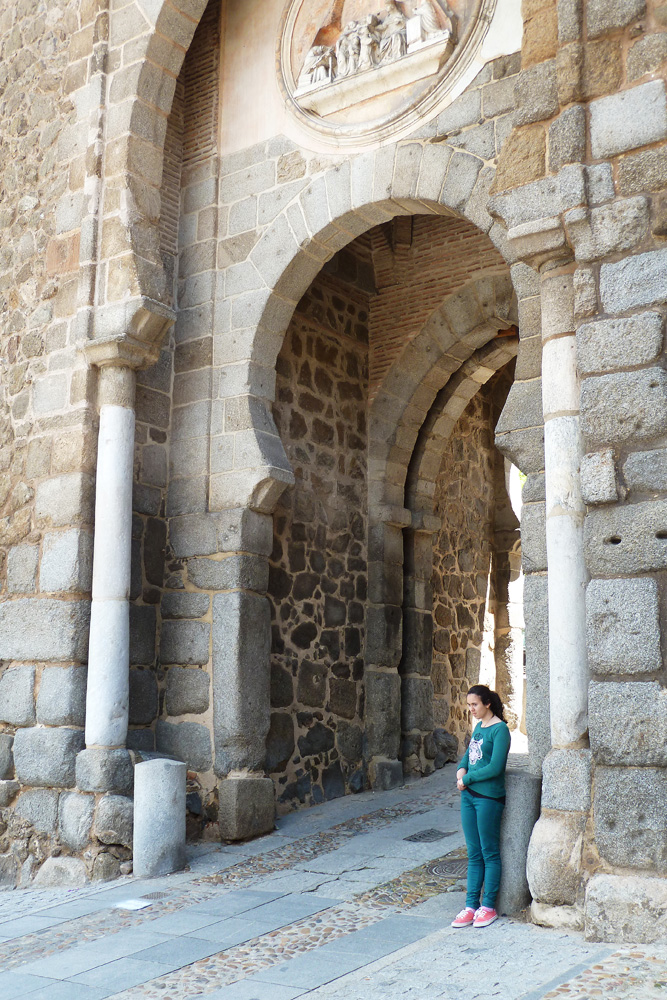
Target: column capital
128,333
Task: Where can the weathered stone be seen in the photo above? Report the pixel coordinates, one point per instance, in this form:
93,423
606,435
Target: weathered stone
416,703
317,739
142,634
58,629
533,537
184,605
629,539
143,697
246,807
383,635
9,870
187,691
39,807
608,229
244,571
630,827
46,757
349,741
104,770
185,642
187,741
646,471
311,684
114,820
417,642
538,725
383,706
8,789
61,872
628,119
598,477
624,406
535,94
67,562
566,780
643,171
343,698
17,701
626,908
62,696
619,343
75,818
567,138
159,818
280,741
605,15
646,55
105,868
620,716
554,857
623,626
521,812
22,563
6,756
241,680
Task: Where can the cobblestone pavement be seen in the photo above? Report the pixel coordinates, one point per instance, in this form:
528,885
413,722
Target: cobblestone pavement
348,901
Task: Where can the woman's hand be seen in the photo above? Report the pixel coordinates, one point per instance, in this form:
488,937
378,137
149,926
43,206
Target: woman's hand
459,784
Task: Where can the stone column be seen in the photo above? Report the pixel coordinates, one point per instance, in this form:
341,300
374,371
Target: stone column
565,510
384,646
105,765
417,750
241,677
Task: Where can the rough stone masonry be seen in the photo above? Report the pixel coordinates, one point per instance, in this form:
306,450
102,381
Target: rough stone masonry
253,359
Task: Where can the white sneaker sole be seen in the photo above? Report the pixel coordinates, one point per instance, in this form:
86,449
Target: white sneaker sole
485,923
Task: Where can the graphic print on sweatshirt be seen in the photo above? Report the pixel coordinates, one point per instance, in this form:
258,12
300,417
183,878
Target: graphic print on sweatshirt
475,749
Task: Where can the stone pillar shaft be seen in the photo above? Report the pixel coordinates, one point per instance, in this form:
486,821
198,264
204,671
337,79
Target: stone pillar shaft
109,650
568,666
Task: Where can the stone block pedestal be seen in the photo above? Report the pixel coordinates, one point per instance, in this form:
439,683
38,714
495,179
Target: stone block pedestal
247,807
522,810
159,817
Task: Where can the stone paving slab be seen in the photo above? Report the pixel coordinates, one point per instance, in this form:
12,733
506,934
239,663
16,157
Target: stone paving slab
333,905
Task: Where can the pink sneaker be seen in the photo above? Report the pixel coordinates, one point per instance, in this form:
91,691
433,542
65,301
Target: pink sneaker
464,918
484,916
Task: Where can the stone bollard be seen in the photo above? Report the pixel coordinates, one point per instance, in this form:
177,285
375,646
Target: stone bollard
159,817
522,810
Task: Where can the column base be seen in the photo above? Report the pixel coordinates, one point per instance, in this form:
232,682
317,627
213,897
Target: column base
247,807
101,769
385,774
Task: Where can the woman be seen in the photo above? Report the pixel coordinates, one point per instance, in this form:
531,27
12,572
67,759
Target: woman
481,780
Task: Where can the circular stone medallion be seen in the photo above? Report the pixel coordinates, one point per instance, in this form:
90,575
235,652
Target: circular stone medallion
361,70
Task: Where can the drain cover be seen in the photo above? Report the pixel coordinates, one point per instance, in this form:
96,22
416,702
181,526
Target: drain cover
454,868
157,895
428,836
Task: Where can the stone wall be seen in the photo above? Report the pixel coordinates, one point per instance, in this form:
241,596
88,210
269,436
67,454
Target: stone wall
47,442
462,562
318,571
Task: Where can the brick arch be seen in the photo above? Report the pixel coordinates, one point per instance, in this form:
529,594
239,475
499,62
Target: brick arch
466,321
147,42
340,204
447,407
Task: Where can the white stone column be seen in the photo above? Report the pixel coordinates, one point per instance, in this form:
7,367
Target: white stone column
109,651
568,667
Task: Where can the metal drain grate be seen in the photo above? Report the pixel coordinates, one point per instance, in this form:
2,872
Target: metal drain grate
429,836
454,868
157,895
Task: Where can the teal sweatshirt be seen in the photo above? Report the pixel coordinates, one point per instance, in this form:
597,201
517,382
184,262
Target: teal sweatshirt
486,758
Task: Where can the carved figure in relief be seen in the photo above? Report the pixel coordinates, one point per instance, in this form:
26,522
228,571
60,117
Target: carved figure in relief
394,33
429,19
318,66
369,39
348,48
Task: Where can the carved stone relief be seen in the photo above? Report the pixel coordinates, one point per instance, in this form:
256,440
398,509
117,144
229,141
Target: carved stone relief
352,70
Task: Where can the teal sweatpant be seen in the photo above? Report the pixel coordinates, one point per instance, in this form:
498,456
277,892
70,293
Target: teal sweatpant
480,819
